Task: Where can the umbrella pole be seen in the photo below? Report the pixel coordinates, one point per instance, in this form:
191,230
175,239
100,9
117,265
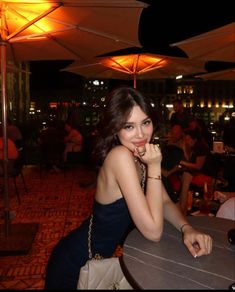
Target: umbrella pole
134,81
14,238
5,138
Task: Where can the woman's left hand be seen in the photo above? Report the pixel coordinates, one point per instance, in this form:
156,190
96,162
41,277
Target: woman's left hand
198,243
149,154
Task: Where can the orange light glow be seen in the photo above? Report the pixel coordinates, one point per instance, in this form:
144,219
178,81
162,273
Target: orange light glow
134,64
25,19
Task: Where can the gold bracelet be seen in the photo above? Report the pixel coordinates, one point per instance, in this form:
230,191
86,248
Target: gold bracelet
158,177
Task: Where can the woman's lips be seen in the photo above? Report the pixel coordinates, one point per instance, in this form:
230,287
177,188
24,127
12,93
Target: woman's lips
140,144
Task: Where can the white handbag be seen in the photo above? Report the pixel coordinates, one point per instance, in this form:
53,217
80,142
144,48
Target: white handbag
101,273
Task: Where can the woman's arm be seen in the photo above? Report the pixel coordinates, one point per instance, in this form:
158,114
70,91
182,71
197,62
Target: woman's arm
197,242
146,209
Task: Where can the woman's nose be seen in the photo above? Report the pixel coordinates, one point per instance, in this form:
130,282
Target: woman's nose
140,132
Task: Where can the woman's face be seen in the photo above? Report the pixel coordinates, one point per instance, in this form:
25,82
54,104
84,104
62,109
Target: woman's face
190,141
137,131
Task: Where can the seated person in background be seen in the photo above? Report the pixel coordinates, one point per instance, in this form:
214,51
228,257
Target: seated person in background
175,136
180,116
228,135
172,154
229,163
197,165
200,126
73,140
13,133
12,154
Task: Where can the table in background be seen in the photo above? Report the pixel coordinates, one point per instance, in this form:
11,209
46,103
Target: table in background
169,265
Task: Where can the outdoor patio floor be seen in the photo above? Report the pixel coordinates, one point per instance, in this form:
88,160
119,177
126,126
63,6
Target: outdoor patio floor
59,204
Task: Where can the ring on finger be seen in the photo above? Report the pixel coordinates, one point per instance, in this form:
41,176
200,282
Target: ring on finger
156,147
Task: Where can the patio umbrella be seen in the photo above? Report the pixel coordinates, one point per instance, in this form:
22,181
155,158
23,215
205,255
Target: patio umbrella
57,30
228,74
217,44
133,66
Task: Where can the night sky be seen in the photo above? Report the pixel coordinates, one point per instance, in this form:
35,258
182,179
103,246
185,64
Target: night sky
157,29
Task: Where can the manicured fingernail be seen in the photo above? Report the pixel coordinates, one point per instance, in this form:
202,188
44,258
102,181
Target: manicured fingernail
195,256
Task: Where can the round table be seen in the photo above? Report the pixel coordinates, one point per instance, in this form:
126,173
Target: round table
169,265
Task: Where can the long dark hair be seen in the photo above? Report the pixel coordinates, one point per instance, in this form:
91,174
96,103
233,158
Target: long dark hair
119,106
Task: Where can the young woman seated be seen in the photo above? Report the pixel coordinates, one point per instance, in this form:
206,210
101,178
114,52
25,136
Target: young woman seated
129,192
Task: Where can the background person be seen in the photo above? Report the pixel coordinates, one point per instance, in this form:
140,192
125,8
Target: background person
12,153
197,165
14,133
73,140
229,162
129,190
180,116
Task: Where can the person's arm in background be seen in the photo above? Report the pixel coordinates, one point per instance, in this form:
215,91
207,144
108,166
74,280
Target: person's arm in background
176,168
200,160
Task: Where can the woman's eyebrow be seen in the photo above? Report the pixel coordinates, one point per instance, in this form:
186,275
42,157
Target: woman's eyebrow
145,119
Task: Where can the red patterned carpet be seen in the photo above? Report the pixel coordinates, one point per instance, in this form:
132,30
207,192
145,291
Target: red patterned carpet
56,201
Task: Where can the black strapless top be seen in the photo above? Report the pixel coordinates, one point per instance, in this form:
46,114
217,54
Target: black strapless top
111,223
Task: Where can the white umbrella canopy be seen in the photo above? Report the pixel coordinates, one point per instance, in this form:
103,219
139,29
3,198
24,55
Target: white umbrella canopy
135,66
68,29
60,30
215,45
228,74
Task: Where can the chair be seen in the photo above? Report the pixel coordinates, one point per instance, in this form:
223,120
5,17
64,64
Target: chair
14,171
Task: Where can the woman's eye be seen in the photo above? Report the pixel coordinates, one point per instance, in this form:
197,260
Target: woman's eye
147,122
128,127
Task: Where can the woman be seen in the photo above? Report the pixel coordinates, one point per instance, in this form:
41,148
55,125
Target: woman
128,160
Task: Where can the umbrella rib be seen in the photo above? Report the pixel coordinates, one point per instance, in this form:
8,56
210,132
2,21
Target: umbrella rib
107,4
122,68
33,21
106,35
200,37
152,66
38,35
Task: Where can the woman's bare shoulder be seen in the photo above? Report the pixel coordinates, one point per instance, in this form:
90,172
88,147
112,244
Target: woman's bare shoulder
120,152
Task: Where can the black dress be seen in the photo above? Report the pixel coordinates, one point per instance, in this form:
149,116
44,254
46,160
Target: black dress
111,223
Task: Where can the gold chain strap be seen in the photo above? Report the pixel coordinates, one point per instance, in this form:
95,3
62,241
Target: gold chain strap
97,256
143,175
142,183
89,238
